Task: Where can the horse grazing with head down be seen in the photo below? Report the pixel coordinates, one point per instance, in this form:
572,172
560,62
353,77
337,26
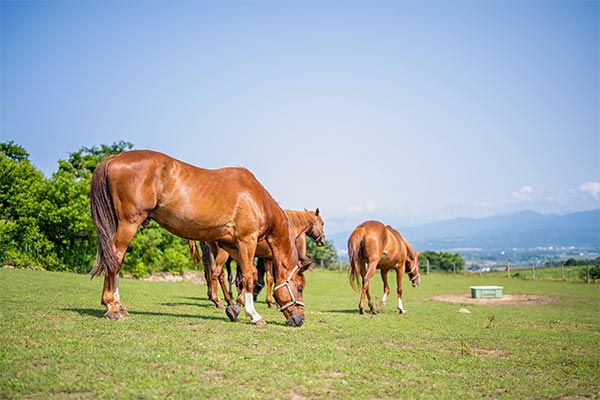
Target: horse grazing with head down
373,246
227,206
302,223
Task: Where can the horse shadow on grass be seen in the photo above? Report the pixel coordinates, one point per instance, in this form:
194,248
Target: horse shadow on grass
99,313
347,311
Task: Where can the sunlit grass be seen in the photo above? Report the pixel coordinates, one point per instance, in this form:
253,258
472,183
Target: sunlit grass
175,344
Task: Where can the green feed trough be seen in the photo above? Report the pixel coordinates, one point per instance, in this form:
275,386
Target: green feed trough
486,292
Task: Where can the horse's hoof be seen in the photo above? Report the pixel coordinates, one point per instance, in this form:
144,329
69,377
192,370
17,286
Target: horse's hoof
233,312
373,312
220,306
401,311
259,322
380,304
270,305
115,315
122,310
361,312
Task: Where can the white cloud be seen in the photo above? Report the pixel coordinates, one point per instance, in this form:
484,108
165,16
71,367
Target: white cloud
370,207
524,194
593,188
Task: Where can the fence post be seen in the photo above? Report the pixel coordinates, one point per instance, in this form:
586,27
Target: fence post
533,271
508,269
427,266
562,272
454,268
587,267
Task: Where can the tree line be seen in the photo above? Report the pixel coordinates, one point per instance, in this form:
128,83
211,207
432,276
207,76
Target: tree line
46,222
441,261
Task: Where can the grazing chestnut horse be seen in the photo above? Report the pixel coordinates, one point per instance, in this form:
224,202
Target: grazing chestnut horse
373,246
301,222
227,206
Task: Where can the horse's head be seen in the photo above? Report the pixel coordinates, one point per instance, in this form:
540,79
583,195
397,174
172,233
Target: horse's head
288,294
316,230
412,266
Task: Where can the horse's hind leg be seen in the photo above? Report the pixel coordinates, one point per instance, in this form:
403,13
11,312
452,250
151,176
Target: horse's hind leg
110,293
371,267
386,288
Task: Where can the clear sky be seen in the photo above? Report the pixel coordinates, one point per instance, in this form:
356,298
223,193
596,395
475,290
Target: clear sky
402,111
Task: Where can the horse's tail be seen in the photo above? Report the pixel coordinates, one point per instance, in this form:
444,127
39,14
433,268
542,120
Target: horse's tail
105,220
354,250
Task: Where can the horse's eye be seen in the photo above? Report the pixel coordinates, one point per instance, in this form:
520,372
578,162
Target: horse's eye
299,289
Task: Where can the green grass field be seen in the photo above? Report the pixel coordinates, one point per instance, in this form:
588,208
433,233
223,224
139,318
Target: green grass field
175,344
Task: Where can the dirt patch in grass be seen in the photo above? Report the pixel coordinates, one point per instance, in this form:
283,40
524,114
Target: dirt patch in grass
507,299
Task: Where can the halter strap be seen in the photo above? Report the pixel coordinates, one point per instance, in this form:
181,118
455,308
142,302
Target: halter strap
320,233
417,276
286,283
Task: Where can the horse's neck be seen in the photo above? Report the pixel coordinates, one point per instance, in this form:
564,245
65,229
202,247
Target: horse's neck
409,250
283,245
300,221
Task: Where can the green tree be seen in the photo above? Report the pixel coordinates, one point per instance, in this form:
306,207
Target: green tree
325,256
442,261
22,241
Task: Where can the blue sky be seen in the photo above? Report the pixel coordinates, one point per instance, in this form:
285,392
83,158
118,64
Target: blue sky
405,112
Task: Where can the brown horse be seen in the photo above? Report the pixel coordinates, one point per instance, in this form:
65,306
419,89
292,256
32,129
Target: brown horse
301,223
373,246
228,206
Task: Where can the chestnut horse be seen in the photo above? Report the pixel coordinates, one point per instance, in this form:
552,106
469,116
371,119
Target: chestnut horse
301,222
373,246
228,206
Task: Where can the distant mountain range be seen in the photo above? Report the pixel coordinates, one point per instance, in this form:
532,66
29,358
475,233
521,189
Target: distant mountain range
522,230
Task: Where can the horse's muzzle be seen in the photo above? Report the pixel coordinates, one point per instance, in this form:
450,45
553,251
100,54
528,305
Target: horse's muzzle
295,321
416,283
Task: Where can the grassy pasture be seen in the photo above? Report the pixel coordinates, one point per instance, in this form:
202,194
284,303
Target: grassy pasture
175,344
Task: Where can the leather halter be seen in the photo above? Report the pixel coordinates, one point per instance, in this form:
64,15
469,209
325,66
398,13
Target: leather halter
321,234
286,283
412,270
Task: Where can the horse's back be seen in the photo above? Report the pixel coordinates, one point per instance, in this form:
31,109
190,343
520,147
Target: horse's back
189,201
379,243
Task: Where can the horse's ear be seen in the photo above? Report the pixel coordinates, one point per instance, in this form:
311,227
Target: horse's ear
418,252
305,264
317,211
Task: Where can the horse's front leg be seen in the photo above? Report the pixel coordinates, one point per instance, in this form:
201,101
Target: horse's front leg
217,275
399,275
386,288
245,255
270,280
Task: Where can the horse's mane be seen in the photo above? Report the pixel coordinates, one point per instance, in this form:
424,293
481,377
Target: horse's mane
299,218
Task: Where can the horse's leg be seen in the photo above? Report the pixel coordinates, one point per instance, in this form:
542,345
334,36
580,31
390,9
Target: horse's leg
246,253
270,280
386,288
399,275
217,276
229,277
260,281
366,278
110,293
224,288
